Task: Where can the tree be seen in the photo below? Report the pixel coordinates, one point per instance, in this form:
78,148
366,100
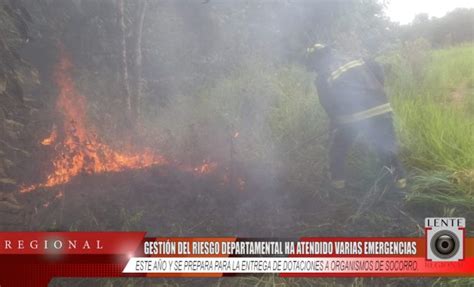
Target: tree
455,27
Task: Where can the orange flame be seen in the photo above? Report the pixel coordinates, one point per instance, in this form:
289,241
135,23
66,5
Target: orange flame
206,167
81,151
51,138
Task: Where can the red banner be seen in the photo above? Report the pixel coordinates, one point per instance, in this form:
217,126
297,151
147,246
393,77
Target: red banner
34,258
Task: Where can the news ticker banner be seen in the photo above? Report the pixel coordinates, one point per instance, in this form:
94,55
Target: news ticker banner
34,258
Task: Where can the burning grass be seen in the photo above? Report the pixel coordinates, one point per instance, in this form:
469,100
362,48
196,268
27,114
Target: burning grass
80,150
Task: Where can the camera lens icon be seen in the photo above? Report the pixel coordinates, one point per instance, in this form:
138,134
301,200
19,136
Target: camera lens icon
445,244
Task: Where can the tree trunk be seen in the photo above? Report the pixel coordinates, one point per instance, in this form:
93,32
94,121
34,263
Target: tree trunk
125,77
138,62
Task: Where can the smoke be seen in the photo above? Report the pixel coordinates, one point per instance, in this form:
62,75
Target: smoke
221,81
218,69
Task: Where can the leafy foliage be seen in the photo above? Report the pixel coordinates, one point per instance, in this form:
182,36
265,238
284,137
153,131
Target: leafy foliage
454,28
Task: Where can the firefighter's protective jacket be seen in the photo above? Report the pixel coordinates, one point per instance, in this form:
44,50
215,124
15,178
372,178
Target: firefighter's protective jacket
351,91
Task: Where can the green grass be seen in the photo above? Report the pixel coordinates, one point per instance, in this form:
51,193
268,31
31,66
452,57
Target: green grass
435,136
435,123
448,70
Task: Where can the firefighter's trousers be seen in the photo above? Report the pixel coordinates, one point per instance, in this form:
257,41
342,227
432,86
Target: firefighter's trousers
378,132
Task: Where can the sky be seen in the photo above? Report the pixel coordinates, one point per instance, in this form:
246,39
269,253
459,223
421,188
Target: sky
403,11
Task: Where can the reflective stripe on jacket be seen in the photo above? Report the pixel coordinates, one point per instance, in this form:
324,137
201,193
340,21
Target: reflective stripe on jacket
353,91
372,112
344,68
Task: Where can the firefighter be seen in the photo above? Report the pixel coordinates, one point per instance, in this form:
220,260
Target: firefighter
351,92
